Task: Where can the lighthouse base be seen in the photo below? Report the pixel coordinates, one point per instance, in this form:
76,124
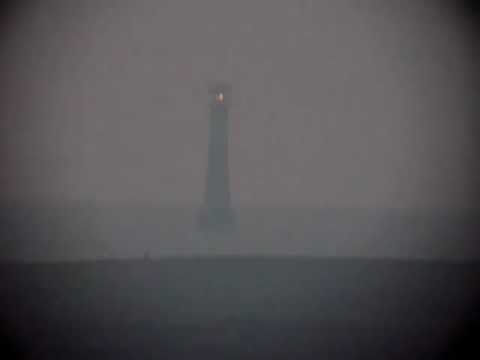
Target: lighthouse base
216,220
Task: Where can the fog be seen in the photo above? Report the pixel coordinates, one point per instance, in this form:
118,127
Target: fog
360,109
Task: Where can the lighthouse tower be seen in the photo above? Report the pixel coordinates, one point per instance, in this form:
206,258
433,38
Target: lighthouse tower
216,213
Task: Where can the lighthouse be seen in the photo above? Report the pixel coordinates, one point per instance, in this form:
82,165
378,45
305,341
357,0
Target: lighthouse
216,213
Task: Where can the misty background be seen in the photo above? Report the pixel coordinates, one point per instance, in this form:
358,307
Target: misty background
352,128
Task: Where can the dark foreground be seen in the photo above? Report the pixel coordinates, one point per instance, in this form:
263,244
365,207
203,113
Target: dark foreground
239,308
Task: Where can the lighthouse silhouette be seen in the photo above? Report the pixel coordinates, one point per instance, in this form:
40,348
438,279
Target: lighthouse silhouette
216,213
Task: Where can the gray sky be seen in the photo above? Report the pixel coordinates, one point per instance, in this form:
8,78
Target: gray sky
335,103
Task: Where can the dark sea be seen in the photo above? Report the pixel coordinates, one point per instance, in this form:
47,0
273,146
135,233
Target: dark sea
233,307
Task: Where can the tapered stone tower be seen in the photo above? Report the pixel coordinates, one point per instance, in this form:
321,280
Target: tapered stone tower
216,213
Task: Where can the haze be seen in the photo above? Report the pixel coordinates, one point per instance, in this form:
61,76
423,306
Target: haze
335,103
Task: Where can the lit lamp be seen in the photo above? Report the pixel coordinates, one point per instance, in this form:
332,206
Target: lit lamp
220,93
